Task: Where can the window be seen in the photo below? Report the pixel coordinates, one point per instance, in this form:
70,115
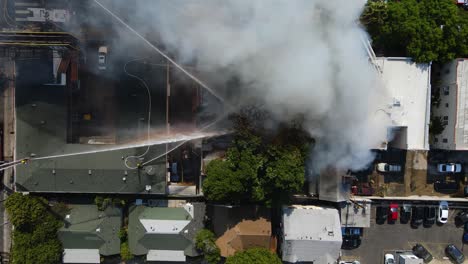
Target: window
444,140
446,104
445,118
436,140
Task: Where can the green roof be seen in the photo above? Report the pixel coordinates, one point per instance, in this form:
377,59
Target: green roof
88,228
140,242
41,128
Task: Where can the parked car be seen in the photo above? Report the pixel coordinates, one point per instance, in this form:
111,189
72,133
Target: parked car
461,218
421,252
405,213
102,57
381,214
351,242
429,216
389,259
447,185
393,212
449,168
417,216
385,167
465,234
455,254
351,237
443,212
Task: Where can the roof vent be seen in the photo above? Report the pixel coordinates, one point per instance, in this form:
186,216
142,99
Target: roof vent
330,233
148,188
98,229
67,216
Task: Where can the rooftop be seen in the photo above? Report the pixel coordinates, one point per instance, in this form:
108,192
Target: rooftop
88,228
43,116
241,228
408,87
356,213
311,233
461,126
164,233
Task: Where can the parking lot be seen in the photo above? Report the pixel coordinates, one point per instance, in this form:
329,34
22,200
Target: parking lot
390,238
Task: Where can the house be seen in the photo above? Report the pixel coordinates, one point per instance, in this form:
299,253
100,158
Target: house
89,233
408,90
409,258
451,106
310,234
239,228
165,230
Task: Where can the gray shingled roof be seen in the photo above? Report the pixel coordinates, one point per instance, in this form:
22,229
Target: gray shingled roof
88,228
140,242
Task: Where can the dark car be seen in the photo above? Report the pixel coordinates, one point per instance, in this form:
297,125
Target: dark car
449,184
381,214
417,217
465,234
405,213
461,218
351,242
429,216
455,254
421,252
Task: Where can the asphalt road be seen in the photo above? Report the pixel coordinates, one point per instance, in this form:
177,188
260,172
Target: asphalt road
388,238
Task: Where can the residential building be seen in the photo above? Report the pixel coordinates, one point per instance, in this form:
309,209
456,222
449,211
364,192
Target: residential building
408,88
239,228
89,233
78,144
165,230
451,105
310,234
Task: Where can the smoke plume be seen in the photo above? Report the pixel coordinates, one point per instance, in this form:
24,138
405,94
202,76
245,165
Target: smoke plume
296,57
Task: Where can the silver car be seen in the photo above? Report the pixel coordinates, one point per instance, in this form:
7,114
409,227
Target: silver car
449,168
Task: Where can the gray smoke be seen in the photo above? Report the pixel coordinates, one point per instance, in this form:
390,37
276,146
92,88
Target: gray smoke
296,57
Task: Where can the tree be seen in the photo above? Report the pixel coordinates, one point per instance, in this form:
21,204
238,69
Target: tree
125,253
254,256
35,235
284,171
259,166
431,30
205,242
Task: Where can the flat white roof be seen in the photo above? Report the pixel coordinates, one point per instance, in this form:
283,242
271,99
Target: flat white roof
165,255
81,256
408,89
311,233
461,126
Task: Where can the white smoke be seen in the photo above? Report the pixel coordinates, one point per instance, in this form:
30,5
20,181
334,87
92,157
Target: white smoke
300,56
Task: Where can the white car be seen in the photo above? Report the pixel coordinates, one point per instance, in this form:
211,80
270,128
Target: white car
385,167
102,58
389,259
449,168
443,212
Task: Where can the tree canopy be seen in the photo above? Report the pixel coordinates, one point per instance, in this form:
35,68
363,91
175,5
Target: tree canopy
35,235
430,30
258,167
205,242
254,256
